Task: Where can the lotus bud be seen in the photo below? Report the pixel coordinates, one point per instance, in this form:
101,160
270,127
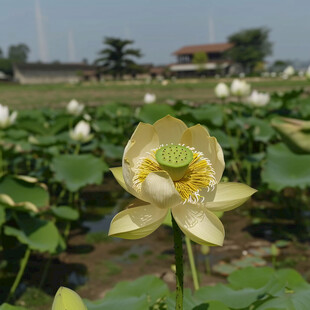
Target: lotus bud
205,249
81,132
308,73
240,88
221,91
74,107
6,119
149,98
288,72
66,299
258,99
295,133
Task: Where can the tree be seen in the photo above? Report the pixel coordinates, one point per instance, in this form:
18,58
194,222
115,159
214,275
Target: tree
250,47
116,59
1,53
200,59
6,66
18,53
279,65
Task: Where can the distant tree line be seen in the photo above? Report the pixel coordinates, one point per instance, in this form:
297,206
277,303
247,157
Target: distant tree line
16,54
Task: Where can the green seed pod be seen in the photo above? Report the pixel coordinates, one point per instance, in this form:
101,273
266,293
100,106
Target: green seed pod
205,250
175,159
66,299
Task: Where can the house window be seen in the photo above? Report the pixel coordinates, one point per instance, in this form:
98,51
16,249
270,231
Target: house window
214,56
184,59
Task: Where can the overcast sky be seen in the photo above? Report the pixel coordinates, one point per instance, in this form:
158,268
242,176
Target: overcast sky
158,27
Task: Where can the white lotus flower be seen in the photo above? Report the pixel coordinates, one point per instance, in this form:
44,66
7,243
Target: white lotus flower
74,107
308,73
81,132
288,71
6,119
240,88
221,91
258,99
170,167
87,117
149,98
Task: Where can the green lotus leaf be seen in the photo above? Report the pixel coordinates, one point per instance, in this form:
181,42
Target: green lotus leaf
224,140
208,114
66,213
295,133
150,113
112,151
2,215
23,191
134,295
107,127
283,168
6,306
262,130
77,171
114,110
38,234
43,140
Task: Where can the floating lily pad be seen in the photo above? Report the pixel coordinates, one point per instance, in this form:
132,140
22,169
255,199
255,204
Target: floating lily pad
224,269
282,243
265,251
249,261
77,171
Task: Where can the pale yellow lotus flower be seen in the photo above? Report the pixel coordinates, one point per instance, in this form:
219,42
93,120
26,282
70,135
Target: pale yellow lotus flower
66,299
171,167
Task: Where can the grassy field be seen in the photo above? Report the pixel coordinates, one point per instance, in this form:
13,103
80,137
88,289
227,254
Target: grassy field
58,95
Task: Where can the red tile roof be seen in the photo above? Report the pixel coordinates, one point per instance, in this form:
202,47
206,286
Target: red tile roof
207,48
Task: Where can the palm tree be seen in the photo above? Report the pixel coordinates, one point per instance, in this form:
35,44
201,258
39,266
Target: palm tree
116,58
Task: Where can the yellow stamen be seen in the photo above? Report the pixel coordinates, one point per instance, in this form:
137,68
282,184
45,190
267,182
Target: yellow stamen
199,175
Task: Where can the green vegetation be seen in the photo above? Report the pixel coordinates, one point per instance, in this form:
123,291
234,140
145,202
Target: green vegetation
251,46
116,59
201,90
38,211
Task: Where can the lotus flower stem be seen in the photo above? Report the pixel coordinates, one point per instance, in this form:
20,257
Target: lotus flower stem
67,230
23,264
233,149
178,249
192,262
1,163
45,271
208,266
77,149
